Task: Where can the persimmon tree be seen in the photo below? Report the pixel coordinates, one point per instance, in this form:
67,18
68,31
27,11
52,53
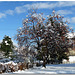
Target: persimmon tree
31,31
55,42
48,36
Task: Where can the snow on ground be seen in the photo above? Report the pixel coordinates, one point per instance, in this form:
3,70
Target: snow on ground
51,69
71,58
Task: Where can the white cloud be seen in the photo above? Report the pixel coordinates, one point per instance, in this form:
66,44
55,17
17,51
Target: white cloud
64,12
66,3
50,5
66,19
73,20
41,5
70,20
10,12
2,15
20,9
44,5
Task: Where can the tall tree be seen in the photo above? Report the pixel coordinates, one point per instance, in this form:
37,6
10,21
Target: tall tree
56,41
31,31
49,37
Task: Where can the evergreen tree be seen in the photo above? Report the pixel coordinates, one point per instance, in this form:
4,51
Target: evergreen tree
7,45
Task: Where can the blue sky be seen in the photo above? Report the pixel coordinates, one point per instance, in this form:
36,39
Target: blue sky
13,12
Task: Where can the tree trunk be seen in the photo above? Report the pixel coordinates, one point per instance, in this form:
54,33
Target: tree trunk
44,63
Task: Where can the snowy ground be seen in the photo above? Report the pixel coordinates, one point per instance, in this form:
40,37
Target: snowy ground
50,69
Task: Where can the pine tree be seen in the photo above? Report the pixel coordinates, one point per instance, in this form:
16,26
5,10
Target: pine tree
7,45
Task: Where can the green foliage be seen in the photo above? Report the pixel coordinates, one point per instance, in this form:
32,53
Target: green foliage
7,45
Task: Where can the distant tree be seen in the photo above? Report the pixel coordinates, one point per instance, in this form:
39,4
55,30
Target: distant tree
7,45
